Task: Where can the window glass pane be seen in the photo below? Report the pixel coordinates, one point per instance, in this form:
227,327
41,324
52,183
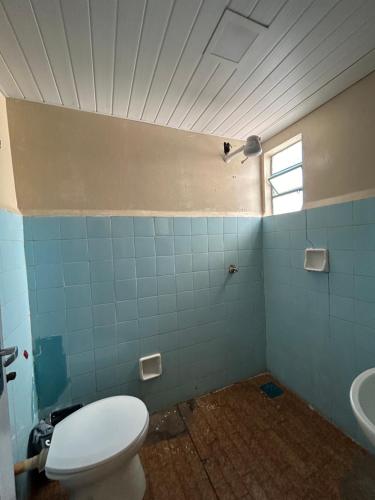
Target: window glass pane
288,181
288,203
287,157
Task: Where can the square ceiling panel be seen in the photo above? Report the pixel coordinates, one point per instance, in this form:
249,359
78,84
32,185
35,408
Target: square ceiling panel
233,37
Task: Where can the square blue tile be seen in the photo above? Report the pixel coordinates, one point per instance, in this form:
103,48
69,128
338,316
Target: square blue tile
364,237
79,319
364,211
230,225
77,296
148,327
124,269
50,299
105,356
167,322
46,228
363,261
184,263
199,225
144,247
144,226
166,285
145,267
49,276
215,225
127,330
341,238
123,248
74,250
364,288
230,242
184,282
167,303
128,351
201,297
182,245
73,227
165,265
342,284
330,216
126,310
342,307
200,261
83,385
100,249
104,314
169,341
101,270
148,307
126,289
199,244
80,341
126,372
164,245
200,280
216,243
216,260
149,346
76,273
185,300
186,319
122,226
98,227
106,380
146,287
47,252
182,226
163,226
81,363
102,293
104,336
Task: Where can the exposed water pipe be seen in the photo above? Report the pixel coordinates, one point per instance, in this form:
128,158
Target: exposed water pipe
36,462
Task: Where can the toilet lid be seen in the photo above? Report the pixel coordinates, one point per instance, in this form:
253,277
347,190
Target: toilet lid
96,433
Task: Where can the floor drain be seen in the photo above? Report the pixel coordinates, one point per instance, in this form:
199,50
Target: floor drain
271,390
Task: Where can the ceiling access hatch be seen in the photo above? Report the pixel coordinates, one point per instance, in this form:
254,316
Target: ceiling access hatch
233,37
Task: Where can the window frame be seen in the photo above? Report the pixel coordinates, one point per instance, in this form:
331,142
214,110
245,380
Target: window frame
284,171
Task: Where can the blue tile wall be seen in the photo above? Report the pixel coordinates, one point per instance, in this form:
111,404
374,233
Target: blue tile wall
321,327
106,290
16,329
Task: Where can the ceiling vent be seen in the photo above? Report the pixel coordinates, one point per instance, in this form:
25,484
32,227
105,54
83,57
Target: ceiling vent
233,37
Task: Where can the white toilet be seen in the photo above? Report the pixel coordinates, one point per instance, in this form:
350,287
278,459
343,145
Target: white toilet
94,451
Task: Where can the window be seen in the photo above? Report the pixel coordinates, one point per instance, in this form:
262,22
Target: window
286,179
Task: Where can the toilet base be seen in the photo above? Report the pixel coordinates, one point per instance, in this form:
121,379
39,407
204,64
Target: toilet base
125,482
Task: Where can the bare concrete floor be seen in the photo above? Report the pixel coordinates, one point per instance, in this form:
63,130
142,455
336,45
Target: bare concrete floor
238,444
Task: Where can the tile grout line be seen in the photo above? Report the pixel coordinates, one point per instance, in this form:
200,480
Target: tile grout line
196,449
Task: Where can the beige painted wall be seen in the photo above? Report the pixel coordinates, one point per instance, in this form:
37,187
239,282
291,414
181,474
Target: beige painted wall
338,147
8,197
68,161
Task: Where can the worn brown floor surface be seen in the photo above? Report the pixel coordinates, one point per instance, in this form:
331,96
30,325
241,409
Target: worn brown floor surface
238,444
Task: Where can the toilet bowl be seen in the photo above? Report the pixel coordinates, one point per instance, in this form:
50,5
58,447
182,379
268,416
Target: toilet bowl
94,451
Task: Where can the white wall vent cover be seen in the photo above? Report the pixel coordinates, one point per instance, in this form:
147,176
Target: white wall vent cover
150,367
316,259
232,37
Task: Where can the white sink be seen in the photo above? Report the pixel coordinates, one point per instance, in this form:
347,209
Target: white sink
362,399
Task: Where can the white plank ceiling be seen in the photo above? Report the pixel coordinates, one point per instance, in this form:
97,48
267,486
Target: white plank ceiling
157,60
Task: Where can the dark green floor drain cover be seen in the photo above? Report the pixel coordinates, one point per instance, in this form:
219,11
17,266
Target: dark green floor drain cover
271,390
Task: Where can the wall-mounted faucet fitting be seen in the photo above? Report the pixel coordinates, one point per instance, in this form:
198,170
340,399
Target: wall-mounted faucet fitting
233,269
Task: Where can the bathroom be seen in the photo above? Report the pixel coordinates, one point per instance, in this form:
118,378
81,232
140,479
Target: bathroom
187,249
